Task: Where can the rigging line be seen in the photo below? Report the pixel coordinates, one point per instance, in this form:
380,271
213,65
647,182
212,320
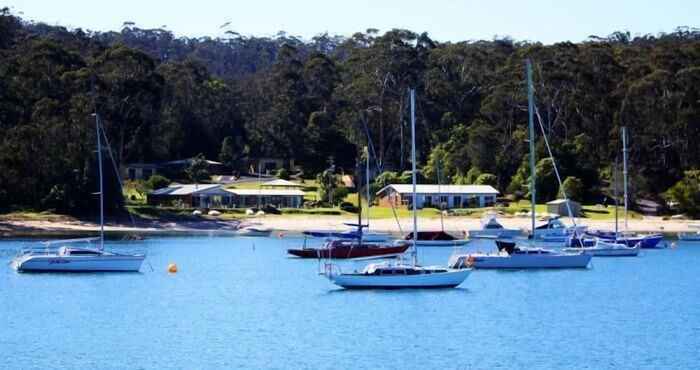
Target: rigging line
116,171
554,164
380,167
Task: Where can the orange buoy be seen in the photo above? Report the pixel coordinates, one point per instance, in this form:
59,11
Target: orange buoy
172,268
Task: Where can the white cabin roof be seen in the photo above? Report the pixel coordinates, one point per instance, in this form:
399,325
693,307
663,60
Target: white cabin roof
442,189
283,183
267,192
186,189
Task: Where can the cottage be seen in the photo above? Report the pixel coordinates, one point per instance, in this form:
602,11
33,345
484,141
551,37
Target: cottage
191,195
559,207
446,196
280,198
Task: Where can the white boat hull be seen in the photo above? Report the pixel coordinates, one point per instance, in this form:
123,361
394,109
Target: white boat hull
494,233
49,263
530,261
441,243
607,251
689,237
449,279
254,232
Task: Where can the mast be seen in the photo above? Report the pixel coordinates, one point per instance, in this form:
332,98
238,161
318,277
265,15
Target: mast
358,183
442,221
99,165
530,120
624,168
615,195
367,184
413,174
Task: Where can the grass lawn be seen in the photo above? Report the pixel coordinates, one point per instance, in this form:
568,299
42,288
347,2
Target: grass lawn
35,216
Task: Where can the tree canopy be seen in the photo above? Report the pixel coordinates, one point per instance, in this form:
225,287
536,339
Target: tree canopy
164,98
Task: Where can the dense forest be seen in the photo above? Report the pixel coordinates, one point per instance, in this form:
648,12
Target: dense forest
163,97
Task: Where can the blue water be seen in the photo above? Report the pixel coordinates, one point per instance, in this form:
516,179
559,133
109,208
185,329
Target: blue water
241,303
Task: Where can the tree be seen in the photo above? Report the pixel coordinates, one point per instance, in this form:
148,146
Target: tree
686,193
486,179
198,170
157,182
573,188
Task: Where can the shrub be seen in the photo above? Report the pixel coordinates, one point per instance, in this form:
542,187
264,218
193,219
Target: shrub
687,193
486,179
283,174
157,182
348,207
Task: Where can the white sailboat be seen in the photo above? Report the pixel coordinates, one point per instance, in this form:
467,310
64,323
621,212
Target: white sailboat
63,256
509,254
395,275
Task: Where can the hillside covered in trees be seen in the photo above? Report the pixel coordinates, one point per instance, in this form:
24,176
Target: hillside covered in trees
164,98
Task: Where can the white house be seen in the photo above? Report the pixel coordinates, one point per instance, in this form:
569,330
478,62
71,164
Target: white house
450,196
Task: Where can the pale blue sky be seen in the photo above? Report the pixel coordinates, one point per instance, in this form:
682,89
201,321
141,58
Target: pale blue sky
540,20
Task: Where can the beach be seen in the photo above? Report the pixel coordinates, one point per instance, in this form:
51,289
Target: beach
299,223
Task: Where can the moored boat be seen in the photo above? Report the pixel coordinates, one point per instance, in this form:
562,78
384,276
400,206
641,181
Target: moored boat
492,229
435,239
601,248
349,248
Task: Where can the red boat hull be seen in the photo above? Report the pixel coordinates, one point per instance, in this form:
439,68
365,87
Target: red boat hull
340,252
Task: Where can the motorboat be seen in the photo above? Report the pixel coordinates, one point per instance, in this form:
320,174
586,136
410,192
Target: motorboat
492,229
355,231
601,248
436,239
554,230
350,248
253,230
512,256
70,258
64,256
398,274
390,275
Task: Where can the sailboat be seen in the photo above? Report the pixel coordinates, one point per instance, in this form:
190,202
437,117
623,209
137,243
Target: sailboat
64,256
600,247
399,274
511,255
437,238
355,230
651,241
351,244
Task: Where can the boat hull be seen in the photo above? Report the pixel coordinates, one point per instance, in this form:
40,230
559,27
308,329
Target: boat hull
645,241
42,263
449,279
345,252
494,233
441,243
607,252
519,262
689,237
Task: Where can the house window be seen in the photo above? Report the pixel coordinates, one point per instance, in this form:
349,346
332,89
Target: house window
443,201
457,201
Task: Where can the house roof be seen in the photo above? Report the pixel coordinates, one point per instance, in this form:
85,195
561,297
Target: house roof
267,192
442,189
283,183
188,161
561,201
185,189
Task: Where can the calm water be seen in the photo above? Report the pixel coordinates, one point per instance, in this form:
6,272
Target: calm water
241,303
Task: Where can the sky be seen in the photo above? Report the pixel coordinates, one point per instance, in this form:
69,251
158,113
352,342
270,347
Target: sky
546,21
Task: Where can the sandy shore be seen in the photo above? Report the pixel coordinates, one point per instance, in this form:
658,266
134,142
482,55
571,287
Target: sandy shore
300,223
